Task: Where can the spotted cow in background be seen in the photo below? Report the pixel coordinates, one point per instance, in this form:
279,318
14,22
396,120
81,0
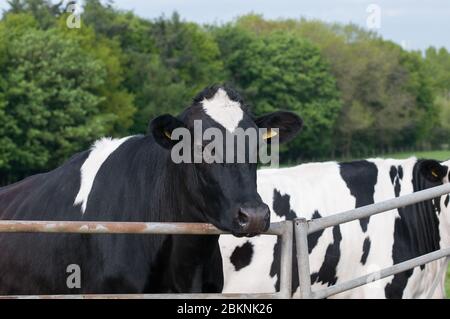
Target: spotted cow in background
356,248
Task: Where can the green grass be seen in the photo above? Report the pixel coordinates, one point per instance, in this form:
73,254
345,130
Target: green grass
438,155
447,283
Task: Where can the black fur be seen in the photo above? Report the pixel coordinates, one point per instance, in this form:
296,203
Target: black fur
313,238
361,178
282,206
242,256
366,250
416,231
327,272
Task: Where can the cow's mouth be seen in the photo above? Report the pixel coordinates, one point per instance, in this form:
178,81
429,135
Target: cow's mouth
243,235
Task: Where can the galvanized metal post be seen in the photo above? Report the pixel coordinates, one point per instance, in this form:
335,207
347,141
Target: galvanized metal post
301,240
286,261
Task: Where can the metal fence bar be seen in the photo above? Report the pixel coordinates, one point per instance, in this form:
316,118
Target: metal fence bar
386,272
283,229
301,240
287,240
23,226
369,210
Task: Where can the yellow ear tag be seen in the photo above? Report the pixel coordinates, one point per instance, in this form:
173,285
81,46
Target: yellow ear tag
433,172
269,134
167,135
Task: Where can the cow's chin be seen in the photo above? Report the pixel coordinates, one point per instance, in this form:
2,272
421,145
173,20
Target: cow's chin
218,224
243,235
231,230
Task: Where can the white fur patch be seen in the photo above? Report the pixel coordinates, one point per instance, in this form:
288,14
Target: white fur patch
223,110
100,151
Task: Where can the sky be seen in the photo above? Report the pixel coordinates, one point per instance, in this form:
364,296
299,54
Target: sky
415,24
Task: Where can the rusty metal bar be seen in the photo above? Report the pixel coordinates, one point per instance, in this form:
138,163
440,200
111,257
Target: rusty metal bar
22,226
286,260
283,229
301,240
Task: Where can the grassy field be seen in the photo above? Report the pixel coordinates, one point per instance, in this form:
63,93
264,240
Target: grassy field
438,155
447,283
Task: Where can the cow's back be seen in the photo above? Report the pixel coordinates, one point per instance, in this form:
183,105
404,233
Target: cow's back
48,195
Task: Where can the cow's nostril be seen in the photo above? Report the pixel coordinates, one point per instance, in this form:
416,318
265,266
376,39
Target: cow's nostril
243,219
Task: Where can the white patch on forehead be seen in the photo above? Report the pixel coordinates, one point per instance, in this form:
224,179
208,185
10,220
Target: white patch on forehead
223,110
100,151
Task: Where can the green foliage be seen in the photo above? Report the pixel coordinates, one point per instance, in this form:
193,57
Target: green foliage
167,60
61,88
49,105
189,50
43,11
281,71
386,94
437,68
117,101
132,32
185,60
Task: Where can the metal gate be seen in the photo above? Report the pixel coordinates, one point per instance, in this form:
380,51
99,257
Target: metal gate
283,229
304,227
286,229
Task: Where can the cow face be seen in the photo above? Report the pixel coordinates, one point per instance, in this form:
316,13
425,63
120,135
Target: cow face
222,180
439,173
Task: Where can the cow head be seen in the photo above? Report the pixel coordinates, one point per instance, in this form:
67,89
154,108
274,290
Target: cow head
438,173
222,187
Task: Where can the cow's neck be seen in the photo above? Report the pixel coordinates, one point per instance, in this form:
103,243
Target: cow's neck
194,262
195,265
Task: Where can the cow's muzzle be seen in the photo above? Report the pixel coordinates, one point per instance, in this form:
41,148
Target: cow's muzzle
250,221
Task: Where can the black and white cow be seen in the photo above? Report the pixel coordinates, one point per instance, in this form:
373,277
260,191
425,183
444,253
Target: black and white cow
353,249
135,179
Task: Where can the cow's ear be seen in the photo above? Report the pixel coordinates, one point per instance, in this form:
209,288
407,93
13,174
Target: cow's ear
162,127
284,124
432,170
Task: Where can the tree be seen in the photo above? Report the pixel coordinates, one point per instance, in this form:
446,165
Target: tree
385,94
118,101
43,11
437,69
279,70
49,101
134,34
189,50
